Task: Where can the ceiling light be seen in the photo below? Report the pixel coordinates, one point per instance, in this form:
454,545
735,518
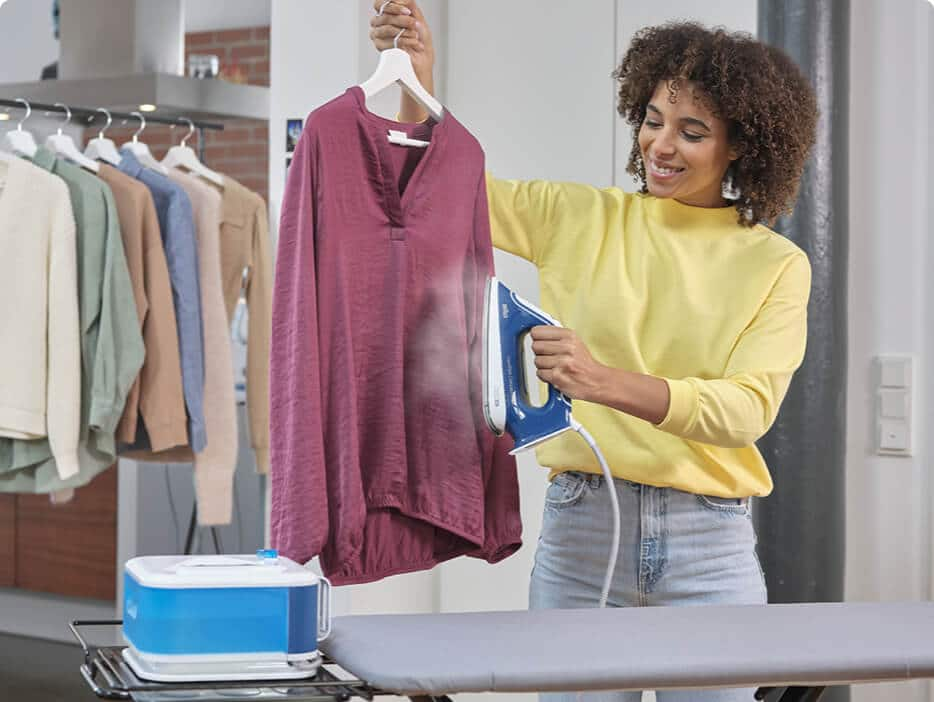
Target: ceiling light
147,108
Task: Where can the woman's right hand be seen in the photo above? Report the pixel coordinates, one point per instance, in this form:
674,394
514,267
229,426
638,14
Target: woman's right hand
416,42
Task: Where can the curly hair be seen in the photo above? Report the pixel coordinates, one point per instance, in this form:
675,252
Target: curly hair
767,103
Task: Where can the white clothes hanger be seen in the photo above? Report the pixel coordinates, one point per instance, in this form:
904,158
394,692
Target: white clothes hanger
101,148
183,156
141,150
403,139
395,66
19,141
64,145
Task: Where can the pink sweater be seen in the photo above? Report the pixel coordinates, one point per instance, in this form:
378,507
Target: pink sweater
215,465
381,461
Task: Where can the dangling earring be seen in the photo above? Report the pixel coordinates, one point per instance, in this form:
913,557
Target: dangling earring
728,189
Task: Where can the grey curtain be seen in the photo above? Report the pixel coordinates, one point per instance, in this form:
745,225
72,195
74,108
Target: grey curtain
801,526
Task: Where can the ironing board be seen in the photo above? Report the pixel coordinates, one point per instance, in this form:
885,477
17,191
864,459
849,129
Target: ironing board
651,648
789,651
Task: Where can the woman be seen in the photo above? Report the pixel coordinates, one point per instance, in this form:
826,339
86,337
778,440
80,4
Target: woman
685,318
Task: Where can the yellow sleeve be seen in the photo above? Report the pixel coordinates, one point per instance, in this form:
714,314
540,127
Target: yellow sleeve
736,410
521,215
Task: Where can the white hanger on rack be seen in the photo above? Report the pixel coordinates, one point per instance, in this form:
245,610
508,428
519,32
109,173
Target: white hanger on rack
101,148
19,141
141,151
64,145
395,66
183,156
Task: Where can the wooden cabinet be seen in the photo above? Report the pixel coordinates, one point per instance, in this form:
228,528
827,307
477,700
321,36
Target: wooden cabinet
7,540
68,549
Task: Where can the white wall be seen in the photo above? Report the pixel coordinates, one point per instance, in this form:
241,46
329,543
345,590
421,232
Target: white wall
889,499
206,15
26,41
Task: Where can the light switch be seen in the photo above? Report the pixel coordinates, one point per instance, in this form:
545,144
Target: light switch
895,371
893,404
893,435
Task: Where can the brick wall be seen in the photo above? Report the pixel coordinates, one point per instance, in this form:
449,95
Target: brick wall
241,150
243,53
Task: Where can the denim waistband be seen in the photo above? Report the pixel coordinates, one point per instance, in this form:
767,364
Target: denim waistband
595,481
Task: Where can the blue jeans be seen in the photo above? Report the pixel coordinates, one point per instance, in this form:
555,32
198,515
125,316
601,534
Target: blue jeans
676,548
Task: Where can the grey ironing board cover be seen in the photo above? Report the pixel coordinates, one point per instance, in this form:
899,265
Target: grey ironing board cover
637,648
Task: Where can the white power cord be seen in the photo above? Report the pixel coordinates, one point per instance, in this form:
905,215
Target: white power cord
614,500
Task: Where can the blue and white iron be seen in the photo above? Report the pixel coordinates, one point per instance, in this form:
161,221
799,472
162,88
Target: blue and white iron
506,404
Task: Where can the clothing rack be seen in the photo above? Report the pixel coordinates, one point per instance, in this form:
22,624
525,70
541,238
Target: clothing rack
86,117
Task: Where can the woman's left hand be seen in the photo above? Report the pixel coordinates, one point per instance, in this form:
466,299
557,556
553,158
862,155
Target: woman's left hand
563,360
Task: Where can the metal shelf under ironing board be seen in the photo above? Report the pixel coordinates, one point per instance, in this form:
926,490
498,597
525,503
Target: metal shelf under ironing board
109,677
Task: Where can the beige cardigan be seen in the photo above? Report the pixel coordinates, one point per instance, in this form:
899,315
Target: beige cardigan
156,395
245,246
40,356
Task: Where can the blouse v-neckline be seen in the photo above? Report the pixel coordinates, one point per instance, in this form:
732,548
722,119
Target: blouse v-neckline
398,205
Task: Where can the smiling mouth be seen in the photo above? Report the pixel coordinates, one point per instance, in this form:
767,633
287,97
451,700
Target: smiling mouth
659,171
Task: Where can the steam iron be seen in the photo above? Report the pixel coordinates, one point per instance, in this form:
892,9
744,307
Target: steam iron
506,403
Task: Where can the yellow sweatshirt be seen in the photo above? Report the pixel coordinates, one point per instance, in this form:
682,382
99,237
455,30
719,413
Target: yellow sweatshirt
717,310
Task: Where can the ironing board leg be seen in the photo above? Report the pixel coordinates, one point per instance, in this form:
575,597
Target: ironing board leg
790,694
190,537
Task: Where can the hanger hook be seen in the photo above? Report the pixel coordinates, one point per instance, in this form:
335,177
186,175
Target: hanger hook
19,126
67,115
191,130
106,126
142,125
395,42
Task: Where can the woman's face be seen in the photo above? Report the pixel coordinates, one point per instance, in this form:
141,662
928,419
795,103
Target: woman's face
685,147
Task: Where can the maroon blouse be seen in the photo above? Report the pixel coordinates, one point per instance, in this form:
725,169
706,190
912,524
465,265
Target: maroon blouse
381,462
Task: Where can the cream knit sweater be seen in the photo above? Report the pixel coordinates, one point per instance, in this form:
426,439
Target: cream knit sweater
40,357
